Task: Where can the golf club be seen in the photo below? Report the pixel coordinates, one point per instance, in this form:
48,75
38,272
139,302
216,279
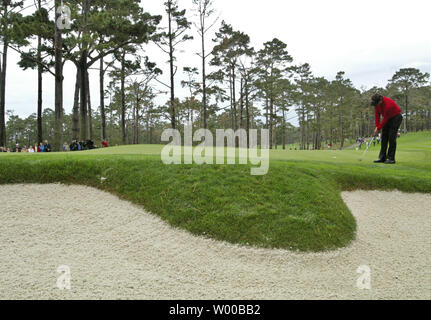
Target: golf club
366,150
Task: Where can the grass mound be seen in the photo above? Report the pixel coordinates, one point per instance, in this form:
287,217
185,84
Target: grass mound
297,205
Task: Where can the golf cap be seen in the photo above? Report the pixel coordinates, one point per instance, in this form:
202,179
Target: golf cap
375,100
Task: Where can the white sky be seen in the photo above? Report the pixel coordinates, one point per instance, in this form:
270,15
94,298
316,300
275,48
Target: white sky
368,39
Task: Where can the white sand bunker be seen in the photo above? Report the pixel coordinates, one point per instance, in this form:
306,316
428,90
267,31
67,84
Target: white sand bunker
116,250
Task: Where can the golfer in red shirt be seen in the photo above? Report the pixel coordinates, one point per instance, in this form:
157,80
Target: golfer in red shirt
389,125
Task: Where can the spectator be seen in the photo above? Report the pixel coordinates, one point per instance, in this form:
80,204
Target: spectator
74,146
361,142
47,147
105,144
89,145
66,147
41,147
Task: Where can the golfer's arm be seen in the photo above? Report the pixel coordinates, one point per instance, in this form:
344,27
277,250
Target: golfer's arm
383,123
377,116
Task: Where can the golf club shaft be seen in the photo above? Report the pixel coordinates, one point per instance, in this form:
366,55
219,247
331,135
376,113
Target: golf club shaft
368,147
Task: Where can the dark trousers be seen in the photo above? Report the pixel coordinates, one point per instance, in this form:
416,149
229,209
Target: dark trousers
389,135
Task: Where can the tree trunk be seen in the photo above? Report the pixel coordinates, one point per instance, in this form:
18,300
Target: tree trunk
241,124
171,65
90,119
204,83
147,121
3,78
111,118
319,132
247,113
84,67
429,120
58,124
151,134
406,126
331,129
102,98
134,124
75,116
284,129
235,115
192,116
123,98
341,125
39,87
307,130
302,147
83,125
266,112
232,119
3,96
271,121
137,117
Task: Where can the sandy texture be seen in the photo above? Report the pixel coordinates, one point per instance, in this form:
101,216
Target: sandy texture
116,250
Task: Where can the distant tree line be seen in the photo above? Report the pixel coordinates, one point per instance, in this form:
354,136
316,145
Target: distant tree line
233,86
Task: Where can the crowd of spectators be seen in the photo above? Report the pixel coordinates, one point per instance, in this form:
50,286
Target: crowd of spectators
42,147
46,147
362,141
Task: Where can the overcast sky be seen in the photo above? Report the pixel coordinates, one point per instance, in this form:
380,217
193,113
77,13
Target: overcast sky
368,39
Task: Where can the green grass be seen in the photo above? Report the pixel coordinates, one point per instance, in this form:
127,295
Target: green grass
297,205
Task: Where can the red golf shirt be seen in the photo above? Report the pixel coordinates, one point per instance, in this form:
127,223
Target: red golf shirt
388,110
